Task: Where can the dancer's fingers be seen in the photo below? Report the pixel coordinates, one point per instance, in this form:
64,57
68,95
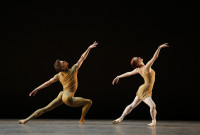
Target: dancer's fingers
113,82
30,94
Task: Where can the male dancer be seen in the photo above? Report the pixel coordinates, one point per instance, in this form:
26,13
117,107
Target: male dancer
69,81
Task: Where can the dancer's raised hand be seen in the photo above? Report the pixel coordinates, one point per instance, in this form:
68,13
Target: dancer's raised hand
33,93
115,81
93,45
164,45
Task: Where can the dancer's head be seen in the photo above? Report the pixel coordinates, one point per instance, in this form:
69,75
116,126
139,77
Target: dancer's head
60,65
136,62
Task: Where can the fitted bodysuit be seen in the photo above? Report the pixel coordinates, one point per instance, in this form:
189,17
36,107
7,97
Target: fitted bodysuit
145,90
70,83
68,79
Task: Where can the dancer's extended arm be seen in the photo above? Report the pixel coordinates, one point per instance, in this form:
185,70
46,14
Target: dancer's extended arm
155,56
44,85
135,71
85,54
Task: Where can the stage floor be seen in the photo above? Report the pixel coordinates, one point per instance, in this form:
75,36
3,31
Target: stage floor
97,127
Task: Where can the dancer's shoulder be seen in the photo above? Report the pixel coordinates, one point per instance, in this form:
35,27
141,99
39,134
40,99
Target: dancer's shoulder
56,76
75,66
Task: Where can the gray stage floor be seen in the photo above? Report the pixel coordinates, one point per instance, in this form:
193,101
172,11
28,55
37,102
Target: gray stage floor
97,127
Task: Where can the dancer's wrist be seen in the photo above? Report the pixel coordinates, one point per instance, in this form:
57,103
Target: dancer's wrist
35,89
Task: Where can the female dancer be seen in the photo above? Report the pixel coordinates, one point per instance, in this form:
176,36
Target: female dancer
144,92
68,78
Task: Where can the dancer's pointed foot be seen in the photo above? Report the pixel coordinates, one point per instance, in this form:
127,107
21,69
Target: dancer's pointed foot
22,121
82,121
152,124
117,121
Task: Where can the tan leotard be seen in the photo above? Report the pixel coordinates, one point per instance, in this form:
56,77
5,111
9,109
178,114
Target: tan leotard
145,90
68,79
70,83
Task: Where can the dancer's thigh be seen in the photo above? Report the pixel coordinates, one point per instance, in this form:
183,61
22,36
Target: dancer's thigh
56,102
79,101
149,101
136,102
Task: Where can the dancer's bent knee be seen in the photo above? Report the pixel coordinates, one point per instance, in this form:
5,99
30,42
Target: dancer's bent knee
153,107
89,102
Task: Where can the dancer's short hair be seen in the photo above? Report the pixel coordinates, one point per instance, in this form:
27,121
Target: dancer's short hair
57,66
134,63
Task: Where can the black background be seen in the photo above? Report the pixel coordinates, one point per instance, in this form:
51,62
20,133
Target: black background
34,35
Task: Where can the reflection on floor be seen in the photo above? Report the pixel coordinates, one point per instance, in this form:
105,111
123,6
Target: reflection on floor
97,127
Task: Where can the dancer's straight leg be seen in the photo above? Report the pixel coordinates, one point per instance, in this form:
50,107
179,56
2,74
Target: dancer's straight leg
55,103
128,109
153,111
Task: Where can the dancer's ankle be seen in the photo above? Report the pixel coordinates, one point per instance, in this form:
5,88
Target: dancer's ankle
121,118
153,121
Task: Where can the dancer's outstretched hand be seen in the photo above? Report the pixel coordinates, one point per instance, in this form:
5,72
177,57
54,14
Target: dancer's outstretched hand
93,45
164,45
33,93
115,81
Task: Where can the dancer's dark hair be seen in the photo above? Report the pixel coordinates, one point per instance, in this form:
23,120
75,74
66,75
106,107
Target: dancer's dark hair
134,63
57,66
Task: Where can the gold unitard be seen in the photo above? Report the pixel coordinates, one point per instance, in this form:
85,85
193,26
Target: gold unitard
69,81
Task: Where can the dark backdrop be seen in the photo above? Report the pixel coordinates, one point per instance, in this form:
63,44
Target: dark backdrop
34,35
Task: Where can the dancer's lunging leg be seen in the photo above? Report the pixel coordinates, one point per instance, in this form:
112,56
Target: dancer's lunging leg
86,103
153,111
56,102
77,102
128,109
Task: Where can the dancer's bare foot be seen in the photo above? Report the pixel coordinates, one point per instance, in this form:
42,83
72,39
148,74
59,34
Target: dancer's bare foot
82,121
22,121
117,121
152,124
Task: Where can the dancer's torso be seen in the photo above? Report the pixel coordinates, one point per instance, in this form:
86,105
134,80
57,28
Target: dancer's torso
148,76
68,79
